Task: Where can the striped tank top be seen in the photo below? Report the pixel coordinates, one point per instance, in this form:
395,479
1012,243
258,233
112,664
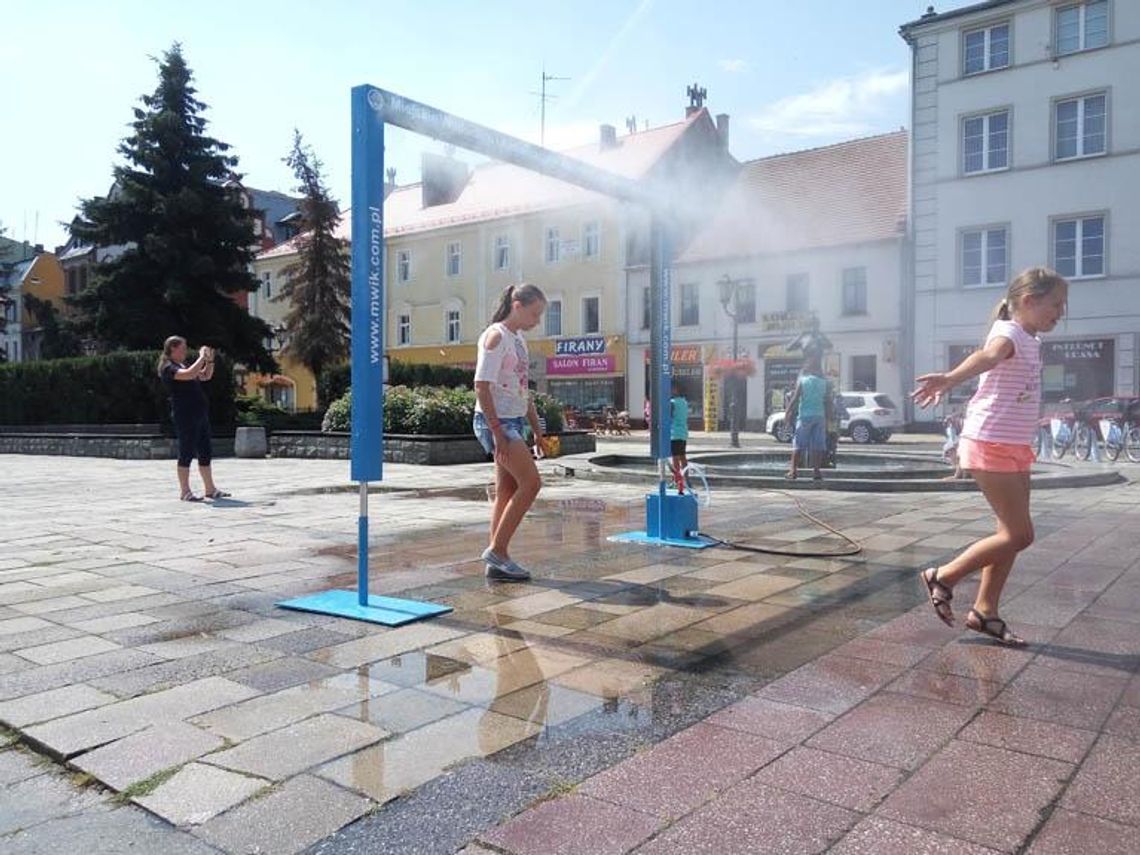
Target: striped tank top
1007,405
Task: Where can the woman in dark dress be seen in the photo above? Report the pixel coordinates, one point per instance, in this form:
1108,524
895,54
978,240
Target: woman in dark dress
190,409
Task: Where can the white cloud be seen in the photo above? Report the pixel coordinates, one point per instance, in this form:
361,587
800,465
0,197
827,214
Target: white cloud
733,66
847,106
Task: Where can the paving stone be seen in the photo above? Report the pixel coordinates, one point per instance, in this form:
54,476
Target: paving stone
111,623
878,836
75,733
573,825
1063,697
137,757
1029,736
53,703
35,799
165,674
18,764
897,730
293,749
264,713
844,781
408,709
22,625
782,723
684,771
90,669
1069,832
752,818
1108,783
830,684
288,820
282,673
950,688
198,792
63,651
956,791
391,643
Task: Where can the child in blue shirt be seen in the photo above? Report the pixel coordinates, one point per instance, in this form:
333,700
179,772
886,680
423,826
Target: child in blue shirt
679,434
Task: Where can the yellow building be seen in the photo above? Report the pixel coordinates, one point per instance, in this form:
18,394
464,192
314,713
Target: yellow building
458,237
27,271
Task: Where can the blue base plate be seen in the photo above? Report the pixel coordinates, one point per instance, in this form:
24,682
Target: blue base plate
641,537
389,611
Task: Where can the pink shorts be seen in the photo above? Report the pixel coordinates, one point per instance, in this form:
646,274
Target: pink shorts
979,455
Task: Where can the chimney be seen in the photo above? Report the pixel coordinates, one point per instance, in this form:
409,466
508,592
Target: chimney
607,138
722,129
38,249
443,179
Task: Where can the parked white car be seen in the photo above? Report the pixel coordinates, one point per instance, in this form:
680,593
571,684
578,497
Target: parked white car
869,417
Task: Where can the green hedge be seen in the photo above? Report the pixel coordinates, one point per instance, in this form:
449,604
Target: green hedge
119,388
429,410
255,411
335,381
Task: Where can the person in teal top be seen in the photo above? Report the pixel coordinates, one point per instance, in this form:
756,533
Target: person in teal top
811,408
679,435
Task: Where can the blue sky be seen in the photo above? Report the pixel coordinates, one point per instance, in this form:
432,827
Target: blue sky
791,75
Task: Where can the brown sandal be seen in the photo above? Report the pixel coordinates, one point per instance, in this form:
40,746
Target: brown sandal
994,627
940,595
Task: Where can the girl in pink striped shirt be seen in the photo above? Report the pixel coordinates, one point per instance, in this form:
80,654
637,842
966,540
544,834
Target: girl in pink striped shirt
994,446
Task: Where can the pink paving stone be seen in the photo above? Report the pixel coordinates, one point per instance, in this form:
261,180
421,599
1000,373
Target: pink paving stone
1124,721
890,652
752,818
950,688
574,825
919,626
1029,736
831,683
844,781
1067,832
989,662
1065,697
896,730
1108,783
990,796
684,771
1131,696
878,836
783,723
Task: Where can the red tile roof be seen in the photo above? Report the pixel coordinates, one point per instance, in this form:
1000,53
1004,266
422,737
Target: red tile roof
851,192
496,190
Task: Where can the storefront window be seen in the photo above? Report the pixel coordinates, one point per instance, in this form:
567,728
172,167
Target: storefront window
1080,369
589,396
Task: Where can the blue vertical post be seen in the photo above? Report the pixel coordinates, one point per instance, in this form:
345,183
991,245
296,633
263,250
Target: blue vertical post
660,357
367,312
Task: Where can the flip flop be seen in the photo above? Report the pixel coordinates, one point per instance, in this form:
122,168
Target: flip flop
994,627
940,595
218,494
190,497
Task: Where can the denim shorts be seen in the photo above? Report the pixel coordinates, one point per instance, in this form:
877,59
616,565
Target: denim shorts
512,429
810,435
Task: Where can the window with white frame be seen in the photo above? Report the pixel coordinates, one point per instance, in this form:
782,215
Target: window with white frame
452,326
1081,26
746,302
404,329
591,315
591,240
985,257
985,142
1080,126
502,253
1078,246
554,317
403,265
454,258
553,245
646,308
855,291
796,292
985,49
690,304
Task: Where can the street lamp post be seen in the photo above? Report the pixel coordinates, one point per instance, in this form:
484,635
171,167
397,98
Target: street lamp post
729,297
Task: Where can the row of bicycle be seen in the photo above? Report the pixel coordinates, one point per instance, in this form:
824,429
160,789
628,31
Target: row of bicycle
1088,428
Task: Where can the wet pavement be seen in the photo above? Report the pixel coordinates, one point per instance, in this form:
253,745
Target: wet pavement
628,699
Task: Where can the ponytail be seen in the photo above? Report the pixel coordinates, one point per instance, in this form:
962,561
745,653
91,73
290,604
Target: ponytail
1001,311
167,348
525,294
503,308
1032,282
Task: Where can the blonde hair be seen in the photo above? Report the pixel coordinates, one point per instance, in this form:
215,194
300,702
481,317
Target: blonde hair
525,294
168,348
1032,282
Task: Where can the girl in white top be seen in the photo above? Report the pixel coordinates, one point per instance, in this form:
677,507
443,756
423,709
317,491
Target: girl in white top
502,402
994,447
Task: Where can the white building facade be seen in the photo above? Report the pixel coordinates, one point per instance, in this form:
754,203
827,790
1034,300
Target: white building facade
1026,152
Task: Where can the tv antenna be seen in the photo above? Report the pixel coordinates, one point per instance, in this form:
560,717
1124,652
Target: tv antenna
543,98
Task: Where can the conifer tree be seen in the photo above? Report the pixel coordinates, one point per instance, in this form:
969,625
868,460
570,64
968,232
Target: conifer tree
187,240
5,297
318,284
